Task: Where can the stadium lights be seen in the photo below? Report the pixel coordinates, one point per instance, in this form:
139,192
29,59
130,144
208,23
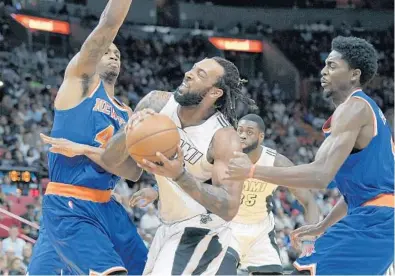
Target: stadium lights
42,24
235,44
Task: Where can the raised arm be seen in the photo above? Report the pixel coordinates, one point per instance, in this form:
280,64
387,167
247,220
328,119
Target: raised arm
304,196
95,46
82,67
116,153
347,122
223,196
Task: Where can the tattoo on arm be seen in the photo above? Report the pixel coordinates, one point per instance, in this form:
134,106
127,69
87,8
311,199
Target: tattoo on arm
213,198
116,151
156,100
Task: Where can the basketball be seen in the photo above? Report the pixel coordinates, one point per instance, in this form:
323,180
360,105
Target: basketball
157,133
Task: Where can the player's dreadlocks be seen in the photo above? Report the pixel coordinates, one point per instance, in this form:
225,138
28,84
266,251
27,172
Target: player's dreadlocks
231,84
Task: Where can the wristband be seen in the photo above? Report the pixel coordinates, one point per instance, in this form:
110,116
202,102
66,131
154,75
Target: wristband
252,171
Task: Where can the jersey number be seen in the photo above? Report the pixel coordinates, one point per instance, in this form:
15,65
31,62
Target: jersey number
104,136
248,200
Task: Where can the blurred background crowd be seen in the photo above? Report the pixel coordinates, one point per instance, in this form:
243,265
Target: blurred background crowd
30,74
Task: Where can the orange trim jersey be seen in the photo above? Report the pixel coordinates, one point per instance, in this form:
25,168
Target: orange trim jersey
362,243
370,172
93,122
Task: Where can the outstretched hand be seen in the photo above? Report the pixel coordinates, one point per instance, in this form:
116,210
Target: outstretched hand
143,197
239,167
168,168
63,146
306,231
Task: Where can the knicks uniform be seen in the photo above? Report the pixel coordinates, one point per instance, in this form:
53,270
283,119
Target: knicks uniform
362,243
253,236
191,240
84,230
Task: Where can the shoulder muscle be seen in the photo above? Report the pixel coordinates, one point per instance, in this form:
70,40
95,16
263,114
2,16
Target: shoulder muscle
155,100
351,115
225,143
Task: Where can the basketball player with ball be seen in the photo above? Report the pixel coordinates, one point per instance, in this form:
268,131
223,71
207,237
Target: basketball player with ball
189,164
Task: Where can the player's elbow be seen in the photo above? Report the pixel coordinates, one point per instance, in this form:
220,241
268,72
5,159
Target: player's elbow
135,175
322,175
107,159
323,180
231,213
228,217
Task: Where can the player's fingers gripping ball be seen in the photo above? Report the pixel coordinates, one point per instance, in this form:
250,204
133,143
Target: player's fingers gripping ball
155,133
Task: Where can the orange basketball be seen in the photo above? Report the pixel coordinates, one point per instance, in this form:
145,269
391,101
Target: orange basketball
157,133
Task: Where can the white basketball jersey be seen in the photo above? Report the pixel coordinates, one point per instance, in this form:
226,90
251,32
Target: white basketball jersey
174,203
256,193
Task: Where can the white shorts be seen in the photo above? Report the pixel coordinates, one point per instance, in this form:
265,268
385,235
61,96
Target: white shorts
256,246
193,246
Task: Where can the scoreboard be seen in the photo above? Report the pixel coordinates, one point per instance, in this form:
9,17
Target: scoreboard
26,179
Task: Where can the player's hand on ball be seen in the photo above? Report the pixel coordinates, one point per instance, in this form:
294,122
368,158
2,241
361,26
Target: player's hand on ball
137,117
63,146
168,168
306,231
144,197
239,167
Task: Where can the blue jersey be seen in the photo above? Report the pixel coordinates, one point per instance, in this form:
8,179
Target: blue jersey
93,122
369,172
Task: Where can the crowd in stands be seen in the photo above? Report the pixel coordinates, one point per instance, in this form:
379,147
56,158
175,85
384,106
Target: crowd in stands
29,83
330,4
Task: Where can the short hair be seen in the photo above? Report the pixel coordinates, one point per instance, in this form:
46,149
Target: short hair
231,84
359,54
256,119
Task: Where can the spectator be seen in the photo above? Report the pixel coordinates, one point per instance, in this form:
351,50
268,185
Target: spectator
30,216
16,267
3,265
14,243
283,253
27,254
282,220
8,188
149,221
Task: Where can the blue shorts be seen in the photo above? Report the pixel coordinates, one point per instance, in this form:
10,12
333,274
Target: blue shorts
82,237
362,243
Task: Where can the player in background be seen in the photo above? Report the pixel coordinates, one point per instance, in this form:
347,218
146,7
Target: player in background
357,237
84,230
253,245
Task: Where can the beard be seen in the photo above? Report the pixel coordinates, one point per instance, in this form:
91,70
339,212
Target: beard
327,94
109,76
251,147
189,98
